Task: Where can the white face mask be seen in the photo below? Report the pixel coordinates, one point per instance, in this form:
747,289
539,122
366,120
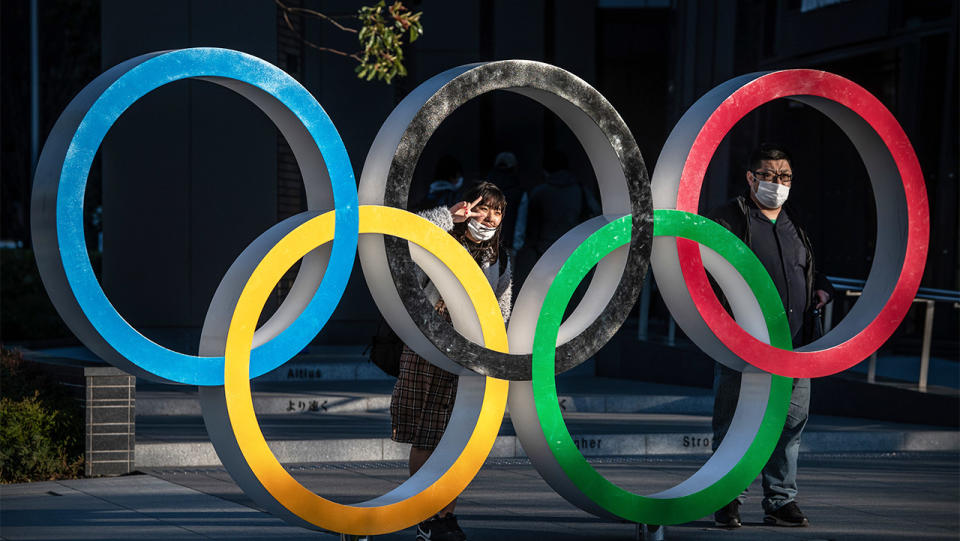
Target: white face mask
771,194
480,231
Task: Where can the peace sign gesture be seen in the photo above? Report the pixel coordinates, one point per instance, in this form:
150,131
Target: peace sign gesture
463,211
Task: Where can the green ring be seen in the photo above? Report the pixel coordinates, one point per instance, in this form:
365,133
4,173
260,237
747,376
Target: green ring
629,506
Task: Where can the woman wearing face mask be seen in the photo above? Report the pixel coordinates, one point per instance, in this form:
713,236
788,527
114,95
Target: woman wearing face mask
423,396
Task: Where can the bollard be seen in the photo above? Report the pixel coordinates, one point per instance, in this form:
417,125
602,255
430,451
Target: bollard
651,532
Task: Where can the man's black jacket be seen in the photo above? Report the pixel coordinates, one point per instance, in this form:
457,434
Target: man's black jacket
733,215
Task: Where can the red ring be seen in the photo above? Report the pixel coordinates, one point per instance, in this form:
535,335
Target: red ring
766,88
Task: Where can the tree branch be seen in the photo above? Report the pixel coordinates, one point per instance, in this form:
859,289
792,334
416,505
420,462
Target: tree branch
286,19
381,36
317,14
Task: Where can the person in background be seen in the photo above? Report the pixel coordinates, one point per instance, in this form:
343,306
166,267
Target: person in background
444,191
423,396
769,227
554,208
505,175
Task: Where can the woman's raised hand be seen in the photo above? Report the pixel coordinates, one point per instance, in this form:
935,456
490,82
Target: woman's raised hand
463,211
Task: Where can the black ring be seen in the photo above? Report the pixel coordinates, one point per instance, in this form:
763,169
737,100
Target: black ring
535,80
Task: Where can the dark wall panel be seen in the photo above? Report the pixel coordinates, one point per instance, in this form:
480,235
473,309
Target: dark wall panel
189,171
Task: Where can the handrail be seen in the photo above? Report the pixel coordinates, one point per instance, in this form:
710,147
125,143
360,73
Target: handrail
926,295
853,284
853,287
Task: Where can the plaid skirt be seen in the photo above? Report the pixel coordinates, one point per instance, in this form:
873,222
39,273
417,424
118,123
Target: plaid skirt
422,401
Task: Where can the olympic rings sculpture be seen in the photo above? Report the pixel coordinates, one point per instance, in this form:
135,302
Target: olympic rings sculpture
491,358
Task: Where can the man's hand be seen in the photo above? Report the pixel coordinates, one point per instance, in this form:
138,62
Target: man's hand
463,211
822,297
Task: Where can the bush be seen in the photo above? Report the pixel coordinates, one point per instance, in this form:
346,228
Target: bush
41,426
31,446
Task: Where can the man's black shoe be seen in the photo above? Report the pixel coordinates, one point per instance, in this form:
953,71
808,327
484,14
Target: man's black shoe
439,528
728,516
788,515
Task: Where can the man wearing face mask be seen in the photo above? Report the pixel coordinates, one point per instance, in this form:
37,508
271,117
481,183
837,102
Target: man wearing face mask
768,226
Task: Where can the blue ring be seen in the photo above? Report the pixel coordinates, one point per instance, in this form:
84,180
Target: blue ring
131,86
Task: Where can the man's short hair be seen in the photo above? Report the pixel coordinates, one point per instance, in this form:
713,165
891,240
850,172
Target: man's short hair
767,151
505,160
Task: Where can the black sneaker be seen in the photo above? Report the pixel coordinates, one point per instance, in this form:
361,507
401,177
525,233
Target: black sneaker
455,528
728,516
440,529
788,515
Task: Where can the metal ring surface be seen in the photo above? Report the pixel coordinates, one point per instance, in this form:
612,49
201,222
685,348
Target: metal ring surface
57,210
389,266
618,242
902,222
470,434
754,430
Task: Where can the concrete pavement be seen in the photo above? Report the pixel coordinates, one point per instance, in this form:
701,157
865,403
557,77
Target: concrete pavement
860,479
847,497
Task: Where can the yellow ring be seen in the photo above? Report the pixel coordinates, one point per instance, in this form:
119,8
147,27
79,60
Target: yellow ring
281,485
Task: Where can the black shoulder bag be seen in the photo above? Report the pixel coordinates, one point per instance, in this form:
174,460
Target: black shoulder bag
385,349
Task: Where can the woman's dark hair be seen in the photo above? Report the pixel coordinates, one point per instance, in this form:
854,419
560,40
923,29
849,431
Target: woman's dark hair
487,251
